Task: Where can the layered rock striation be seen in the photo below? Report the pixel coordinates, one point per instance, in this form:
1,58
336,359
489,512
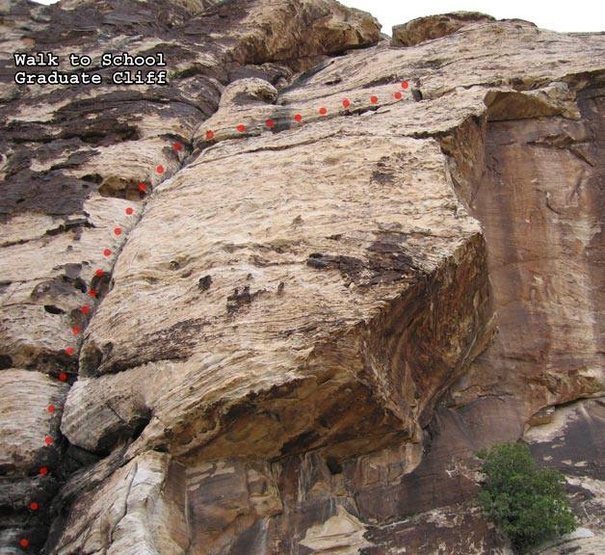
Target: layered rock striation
276,305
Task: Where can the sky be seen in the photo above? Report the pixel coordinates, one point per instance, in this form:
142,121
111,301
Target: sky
560,15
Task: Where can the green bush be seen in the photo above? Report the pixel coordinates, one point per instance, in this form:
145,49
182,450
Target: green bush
526,502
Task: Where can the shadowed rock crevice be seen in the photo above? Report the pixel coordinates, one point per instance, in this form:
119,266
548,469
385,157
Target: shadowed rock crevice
60,159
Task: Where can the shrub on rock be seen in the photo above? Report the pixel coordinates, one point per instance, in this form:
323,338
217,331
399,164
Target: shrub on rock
526,502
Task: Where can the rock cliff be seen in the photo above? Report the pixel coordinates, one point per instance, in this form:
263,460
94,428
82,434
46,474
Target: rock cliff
277,304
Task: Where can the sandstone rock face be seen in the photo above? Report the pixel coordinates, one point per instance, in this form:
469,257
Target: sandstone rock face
434,26
276,305
572,441
145,514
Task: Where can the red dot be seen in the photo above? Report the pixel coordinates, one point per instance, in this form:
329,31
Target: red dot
270,123
24,542
298,118
177,147
92,293
129,211
159,169
241,127
51,409
62,377
43,471
142,187
374,99
69,351
346,103
76,330
404,84
99,273
34,506
209,135
48,440
107,252
85,309
398,95
118,231
323,111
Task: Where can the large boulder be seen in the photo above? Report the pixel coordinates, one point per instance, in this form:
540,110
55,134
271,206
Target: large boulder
431,27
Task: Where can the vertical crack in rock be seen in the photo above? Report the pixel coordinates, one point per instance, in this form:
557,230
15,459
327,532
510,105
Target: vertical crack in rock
124,509
78,147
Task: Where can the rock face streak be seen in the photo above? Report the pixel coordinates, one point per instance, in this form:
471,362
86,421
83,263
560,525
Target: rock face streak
276,305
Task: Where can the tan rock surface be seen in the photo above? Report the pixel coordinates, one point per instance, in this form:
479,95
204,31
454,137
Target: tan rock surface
307,325
72,161
432,27
26,420
143,516
523,58
351,251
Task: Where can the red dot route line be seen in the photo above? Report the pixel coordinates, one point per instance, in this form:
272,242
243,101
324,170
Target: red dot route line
143,187
99,273
323,111
76,330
